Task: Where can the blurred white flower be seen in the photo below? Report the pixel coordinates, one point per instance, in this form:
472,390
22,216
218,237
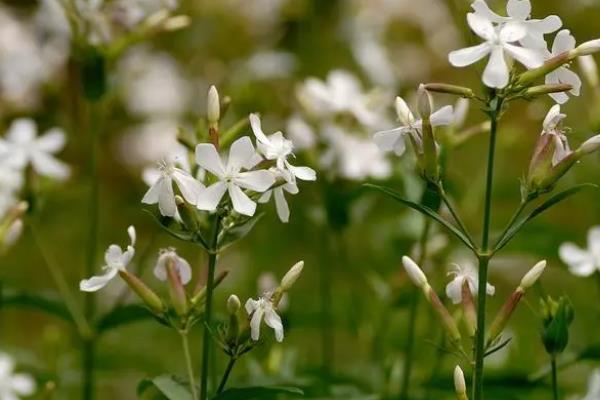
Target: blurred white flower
352,156
593,392
394,139
498,43
182,267
116,260
14,386
583,262
468,273
161,191
13,233
22,147
11,181
151,140
270,65
231,178
563,41
519,12
276,147
263,309
301,133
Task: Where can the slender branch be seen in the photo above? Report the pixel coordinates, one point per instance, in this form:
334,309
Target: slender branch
206,340
188,362
512,220
554,378
454,212
230,365
484,257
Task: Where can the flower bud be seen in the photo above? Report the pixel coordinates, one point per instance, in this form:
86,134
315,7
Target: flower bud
176,23
450,89
470,312
233,304
213,107
589,68
504,315
176,289
291,276
533,275
589,47
558,316
423,102
446,319
528,77
146,294
459,384
414,272
187,213
539,90
589,146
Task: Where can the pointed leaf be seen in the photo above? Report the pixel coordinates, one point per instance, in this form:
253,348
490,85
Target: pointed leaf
123,315
48,304
257,392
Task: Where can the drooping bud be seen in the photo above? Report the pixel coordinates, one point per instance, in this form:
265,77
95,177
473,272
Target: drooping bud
450,89
589,47
291,276
146,294
589,68
414,272
213,107
233,304
533,275
539,90
460,386
176,289
469,310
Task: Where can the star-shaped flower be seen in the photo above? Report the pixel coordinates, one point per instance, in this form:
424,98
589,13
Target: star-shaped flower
461,274
563,42
181,266
263,309
583,262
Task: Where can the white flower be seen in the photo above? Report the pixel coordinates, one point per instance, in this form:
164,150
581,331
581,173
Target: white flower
267,283
394,139
519,12
582,262
301,133
278,193
263,309
276,147
116,260
462,274
552,126
231,179
182,267
22,147
498,41
13,385
593,392
563,41
161,191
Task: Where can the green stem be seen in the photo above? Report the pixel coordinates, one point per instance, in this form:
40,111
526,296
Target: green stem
206,340
412,318
554,378
188,362
226,374
454,213
484,257
513,219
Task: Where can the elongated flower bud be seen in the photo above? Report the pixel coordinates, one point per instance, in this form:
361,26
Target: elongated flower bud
470,312
233,304
589,47
459,384
176,289
446,319
589,146
291,276
450,89
539,90
414,272
146,294
423,102
187,213
233,328
590,70
533,275
213,107
528,77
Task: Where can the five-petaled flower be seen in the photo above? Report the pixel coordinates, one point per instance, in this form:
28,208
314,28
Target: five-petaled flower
260,309
116,260
13,385
583,262
230,176
461,274
180,264
563,42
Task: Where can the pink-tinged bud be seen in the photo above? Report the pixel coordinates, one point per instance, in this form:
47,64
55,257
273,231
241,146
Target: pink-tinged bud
589,146
447,320
469,310
450,89
589,47
176,289
533,275
414,272
528,77
589,68
504,315
460,386
146,294
544,171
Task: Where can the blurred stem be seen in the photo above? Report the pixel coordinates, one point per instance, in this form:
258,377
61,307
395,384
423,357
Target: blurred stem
495,105
412,319
554,377
325,286
453,212
230,365
188,362
206,339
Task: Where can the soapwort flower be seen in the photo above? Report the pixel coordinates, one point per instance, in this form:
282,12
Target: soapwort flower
583,262
462,274
230,176
182,267
116,260
278,194
499,42
260,309
13,385
563,42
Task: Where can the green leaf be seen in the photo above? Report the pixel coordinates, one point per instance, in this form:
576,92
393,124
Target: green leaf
231,235
552,201
122,315
257,392
181,235
163,387
48,304
426,211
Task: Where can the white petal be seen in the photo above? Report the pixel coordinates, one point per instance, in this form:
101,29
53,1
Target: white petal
481,26
265,197
22,130
257,129
166,198
22,384
240,154
274,321
496,71
512,32
151,196
281,205
565,75
454,290
184,270
210,197
208,158
132,234
303,173
240,201
593,240
404,114
45,164
518,9
255,324
52,141
291,188
388,140
580,262
97,282
113,255
481,8
443,116
190,188
258,181
549,24
553,117
251,305
563,41
469,55
528,57
489,289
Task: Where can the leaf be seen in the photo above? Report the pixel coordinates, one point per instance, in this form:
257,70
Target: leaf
426,211
238,231
552,201
122,315
163,387
48,304
184,236
257,392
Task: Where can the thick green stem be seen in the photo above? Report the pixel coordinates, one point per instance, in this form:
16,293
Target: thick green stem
412,318
554,378
188,363
206,340
484,257
230,365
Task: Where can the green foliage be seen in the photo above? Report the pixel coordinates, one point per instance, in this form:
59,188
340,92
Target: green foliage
163,387
257,392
